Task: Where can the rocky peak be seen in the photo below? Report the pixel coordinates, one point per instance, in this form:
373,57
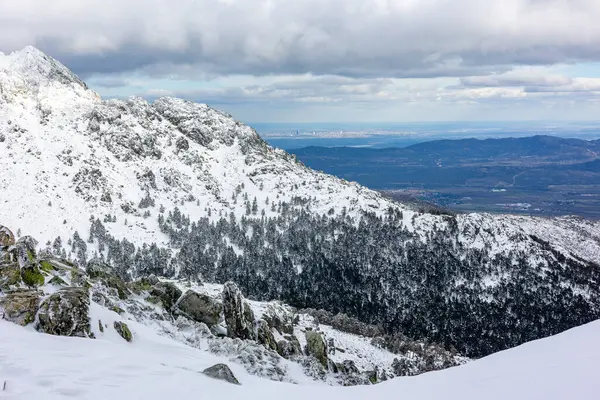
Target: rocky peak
37,67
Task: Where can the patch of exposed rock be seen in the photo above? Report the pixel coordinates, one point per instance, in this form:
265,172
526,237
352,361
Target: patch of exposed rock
221,372
238,314
199,307
66,313
20,306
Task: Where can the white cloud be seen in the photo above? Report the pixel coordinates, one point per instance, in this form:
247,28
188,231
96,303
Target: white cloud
310,59
337,37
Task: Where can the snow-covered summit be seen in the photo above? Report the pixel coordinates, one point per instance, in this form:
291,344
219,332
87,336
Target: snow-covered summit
36,67
62,145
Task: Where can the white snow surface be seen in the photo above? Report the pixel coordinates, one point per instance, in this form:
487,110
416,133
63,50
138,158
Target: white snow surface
40,366
65,151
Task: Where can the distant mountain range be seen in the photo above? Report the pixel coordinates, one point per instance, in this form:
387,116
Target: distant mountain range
555,171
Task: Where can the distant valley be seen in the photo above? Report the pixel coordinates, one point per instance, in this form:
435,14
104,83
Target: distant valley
538,175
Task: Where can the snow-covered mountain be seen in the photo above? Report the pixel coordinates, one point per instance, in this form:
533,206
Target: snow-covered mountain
67,154
181,190
63,145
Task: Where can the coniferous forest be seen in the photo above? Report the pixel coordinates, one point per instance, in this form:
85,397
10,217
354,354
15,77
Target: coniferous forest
372,268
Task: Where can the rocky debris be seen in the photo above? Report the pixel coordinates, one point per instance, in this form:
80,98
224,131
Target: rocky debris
348,367
10,276
66,313
239,317
290,347
150,280
101,299
331,346
20,306
57,281
116,284
264,335
167,292
182,144
316,347
143,284
123,330
424,359
221,372
343,322
416,357
98,269
25,253
7,238
79,278
350,375
279,318
199,307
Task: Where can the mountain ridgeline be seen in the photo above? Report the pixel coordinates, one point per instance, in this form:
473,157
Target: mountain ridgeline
178,189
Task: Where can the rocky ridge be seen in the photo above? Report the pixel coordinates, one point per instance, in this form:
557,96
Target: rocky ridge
264,337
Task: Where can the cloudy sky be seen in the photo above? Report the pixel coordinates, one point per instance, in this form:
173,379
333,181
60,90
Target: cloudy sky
330,60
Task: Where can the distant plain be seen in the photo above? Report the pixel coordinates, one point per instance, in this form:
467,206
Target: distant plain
525,168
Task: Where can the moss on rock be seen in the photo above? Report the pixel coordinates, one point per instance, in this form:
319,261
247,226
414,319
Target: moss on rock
10,275
32,276
316,347
167,292
116,309
123,330
47,266
58,281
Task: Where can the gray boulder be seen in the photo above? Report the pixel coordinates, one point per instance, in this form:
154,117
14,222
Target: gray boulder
279,318
289,347
25,252
316,347
238,314
264,335
20,306
199,307
221,372
66,313
10,275
167,292
348,367
123,330
97,268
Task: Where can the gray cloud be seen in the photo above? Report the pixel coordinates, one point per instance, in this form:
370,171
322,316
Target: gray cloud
516,80
355,38
321,89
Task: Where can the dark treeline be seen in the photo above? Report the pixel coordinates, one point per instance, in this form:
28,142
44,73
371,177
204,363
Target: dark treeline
374,269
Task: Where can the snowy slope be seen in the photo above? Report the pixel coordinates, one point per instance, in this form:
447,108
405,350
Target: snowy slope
66,155
39,366
66,147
